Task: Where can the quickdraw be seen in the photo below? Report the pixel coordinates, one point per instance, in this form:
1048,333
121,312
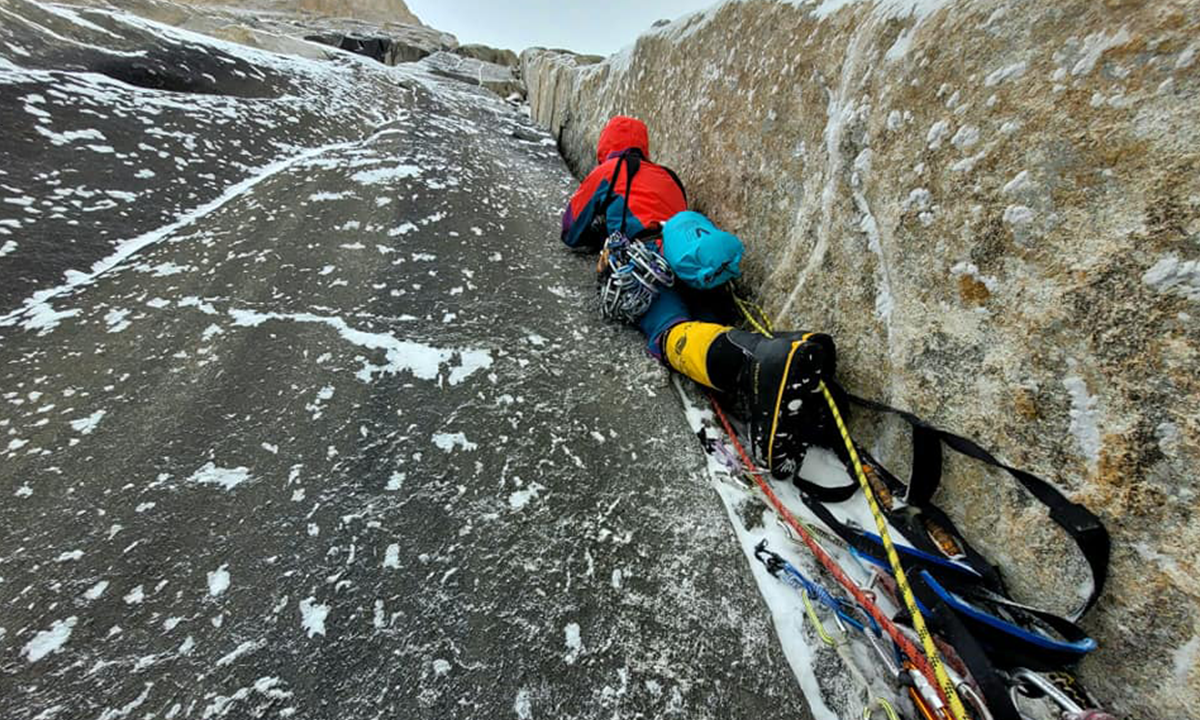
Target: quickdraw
629,275
780,568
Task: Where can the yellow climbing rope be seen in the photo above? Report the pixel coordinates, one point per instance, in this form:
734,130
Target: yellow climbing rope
760,324
957,709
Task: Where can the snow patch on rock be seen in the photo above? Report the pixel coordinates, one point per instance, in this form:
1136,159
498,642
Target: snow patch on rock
218,581
312,616
51,640
85,425
227,478
448,441
521,498
391,556
574,643
1173,276
1085,418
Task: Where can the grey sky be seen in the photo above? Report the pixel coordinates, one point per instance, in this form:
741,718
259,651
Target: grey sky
590,26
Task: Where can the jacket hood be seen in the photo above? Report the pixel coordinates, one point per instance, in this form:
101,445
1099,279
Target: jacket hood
620,134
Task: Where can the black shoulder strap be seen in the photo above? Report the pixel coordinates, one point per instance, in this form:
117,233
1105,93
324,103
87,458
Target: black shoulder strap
633,163
1076,520
677,182
824,493
608,192
632,159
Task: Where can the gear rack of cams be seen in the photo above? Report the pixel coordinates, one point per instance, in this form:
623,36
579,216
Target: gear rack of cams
854,606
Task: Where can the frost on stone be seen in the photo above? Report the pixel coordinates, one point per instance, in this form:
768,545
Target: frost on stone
50,641
448,441
1018,215
227,478
312,616
218,581
966,137
1007,72
1018,184
918,199
1173,276
391,556
937,133
521,498
574,643
969,269
522,705
1094,46
384,175
85,425
1085,418
95,591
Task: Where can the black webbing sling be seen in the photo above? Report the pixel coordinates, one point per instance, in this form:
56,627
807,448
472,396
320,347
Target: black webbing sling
1076,520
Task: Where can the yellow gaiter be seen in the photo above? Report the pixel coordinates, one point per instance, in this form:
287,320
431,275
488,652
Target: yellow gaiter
686,349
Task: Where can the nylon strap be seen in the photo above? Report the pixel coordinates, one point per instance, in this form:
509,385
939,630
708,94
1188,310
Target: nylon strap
633,159
1076,520
633,165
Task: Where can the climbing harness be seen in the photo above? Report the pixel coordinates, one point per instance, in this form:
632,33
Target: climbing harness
630,273
971,652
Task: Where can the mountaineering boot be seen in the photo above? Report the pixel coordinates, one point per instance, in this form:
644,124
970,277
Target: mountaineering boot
780,380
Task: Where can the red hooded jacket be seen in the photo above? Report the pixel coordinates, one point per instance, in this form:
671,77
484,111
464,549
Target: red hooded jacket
655,194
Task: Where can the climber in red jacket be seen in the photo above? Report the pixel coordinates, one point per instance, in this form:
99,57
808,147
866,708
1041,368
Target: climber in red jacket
629,195
629,181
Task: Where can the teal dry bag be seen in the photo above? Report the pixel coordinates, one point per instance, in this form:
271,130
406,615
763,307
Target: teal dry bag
702,255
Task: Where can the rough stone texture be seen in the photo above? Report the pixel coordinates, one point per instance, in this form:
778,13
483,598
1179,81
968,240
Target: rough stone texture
382,11
286,28
995,207
378,47
500,79
299,411
550,79
374,11
489,54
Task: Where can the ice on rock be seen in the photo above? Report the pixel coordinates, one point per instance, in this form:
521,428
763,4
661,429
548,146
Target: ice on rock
312,616
51,640
218,581
227,478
